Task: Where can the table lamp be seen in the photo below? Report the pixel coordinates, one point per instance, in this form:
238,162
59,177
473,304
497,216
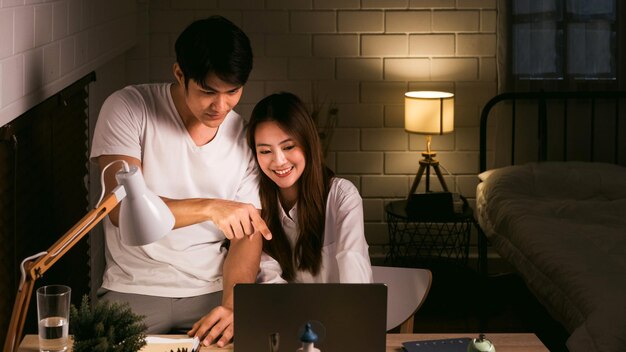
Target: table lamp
144,218
429,113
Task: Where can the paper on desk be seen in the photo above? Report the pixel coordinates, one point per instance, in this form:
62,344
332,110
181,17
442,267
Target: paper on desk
157,339
164,344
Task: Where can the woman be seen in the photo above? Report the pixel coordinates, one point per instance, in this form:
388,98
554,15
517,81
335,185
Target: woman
316,219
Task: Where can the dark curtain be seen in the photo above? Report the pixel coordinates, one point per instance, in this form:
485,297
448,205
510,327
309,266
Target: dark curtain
43,193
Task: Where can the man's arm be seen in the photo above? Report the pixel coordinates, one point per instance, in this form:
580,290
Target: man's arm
109,177
241,266
234,219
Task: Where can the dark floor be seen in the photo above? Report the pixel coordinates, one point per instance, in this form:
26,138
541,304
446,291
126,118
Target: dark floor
462,301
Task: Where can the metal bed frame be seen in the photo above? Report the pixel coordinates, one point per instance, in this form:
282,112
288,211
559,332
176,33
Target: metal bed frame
543,100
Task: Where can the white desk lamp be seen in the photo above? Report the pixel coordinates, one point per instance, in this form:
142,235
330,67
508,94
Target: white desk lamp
144,218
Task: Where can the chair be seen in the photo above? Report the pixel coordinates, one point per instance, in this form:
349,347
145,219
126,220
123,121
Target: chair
406,290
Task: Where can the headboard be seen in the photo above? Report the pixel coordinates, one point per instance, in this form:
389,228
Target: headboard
565,126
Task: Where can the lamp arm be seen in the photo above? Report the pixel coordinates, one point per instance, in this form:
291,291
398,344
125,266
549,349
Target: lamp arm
43,261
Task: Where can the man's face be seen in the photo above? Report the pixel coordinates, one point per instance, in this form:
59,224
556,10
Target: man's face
210,106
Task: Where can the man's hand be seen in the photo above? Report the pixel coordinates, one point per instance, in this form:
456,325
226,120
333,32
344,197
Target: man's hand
237,219
217,324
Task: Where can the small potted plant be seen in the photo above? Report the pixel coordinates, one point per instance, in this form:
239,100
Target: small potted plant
106,327
325,117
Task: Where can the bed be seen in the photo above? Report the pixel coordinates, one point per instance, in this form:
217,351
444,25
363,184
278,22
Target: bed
552,202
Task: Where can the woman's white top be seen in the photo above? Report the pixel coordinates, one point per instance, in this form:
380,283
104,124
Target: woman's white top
345,256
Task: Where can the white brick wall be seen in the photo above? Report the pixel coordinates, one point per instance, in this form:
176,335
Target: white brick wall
46,46
361,55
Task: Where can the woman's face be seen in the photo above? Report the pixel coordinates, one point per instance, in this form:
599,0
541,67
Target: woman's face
280,156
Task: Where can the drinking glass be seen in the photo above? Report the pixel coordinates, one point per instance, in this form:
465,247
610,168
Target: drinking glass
53,312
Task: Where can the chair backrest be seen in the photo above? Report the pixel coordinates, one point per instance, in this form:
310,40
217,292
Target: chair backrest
406,290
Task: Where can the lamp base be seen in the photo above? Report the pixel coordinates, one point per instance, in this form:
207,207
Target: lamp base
425,165
431,205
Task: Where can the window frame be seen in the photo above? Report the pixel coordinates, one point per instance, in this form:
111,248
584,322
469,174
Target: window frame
512,82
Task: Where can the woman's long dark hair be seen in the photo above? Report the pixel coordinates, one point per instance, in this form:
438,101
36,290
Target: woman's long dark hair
288,111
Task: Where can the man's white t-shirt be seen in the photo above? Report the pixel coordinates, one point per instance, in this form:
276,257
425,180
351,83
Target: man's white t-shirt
141,122
345,256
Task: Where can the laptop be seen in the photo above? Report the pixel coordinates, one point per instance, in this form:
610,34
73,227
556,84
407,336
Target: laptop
345,317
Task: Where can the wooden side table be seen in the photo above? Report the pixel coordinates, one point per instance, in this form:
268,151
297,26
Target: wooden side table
418,240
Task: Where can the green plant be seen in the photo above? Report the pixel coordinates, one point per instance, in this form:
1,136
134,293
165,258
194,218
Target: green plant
106,327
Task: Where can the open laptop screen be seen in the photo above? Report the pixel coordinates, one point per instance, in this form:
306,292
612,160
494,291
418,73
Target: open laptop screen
346,317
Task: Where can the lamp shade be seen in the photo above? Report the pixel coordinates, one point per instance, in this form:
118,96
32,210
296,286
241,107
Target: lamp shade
144,218
429,112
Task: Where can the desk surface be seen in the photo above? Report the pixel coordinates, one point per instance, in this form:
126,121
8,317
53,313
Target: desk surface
503,342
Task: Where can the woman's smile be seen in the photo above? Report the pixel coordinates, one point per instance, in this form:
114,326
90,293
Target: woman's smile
283,172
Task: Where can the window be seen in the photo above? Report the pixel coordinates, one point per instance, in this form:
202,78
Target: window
564,43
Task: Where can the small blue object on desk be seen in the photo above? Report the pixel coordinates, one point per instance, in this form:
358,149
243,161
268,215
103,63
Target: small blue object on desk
443,345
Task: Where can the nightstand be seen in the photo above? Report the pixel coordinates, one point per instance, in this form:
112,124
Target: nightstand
419,240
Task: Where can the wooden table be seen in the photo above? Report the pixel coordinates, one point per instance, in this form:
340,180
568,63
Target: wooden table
504,342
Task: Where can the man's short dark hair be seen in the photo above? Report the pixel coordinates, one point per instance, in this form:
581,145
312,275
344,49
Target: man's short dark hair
214,45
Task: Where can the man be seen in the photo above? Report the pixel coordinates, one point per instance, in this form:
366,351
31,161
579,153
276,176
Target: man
192,150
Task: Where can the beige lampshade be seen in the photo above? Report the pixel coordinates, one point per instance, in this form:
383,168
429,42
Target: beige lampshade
429,112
